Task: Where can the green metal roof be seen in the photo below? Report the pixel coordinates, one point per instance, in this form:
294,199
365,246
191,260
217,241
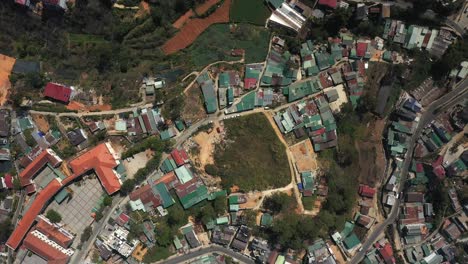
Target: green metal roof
222,220
266,220
163,192
179,125
233,207
275,3
61,196
200,194
223,81
351,241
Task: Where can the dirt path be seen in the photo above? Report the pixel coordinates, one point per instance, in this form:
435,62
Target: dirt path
290,159
207,67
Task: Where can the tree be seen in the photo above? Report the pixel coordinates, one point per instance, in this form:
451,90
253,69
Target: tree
164,234
107,201
53,216
277,202
87,232
5,229
127,186
220,205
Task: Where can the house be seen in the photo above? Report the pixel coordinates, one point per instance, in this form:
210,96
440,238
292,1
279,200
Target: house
192,239
366,191
414,197
58,92
223,235
77,136
180,156
4,123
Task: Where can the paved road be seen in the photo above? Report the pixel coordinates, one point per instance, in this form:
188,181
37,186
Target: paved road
79,256
455,96
457,27
211,249
81,114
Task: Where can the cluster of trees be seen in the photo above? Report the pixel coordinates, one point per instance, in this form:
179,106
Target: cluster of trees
155,144
53,216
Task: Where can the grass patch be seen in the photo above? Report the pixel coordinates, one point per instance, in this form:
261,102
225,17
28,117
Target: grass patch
156,253
252,156
249,11
308,202
217,41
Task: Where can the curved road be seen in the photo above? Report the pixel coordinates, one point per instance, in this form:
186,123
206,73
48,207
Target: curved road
455,96
211,249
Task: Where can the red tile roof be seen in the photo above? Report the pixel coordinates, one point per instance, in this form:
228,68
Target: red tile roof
29,217
361,49
366,191
9,181
180,156
102,160
44,250
387,254
58,92
53,232
419,167
46,156
329,3
250,83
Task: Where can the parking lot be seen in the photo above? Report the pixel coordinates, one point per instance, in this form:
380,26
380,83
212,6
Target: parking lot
76,212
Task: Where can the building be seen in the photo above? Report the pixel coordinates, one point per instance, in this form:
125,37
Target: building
366,191
47,156
58,92
286,16
77,136
103,160
47,249
117,241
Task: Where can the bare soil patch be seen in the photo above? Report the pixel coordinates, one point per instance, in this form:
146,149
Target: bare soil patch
6,65
41,123
185,18
371,156
304,156
190,31
193,108
77,106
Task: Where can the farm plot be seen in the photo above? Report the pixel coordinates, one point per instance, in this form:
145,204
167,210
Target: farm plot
189,33
249,11
220,39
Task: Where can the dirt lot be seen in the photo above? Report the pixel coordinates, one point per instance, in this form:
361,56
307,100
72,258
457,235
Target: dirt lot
193,108
190,31
6,65
181,21
137,162
337,252
74,105
41,123
371,156
304,156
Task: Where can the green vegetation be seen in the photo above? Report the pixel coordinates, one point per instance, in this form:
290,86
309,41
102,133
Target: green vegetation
342,170
87,232
156,253
53,216
279,202
107,200
5,230
156,145
249,11
219,41
253,157
308,202
29,138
